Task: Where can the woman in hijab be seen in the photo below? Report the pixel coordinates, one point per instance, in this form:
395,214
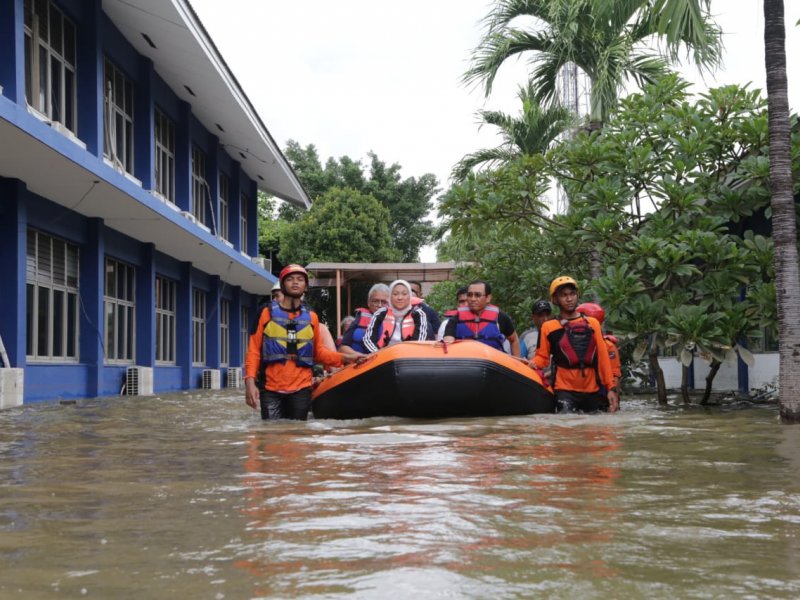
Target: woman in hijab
401,321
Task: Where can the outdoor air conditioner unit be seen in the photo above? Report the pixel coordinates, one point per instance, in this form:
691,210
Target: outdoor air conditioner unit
12,384
139,381
211,379
234,377
264,263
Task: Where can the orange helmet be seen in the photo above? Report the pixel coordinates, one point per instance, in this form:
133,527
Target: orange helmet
289,269
560,282
592,309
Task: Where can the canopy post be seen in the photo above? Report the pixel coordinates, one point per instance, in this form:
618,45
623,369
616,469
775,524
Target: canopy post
339,301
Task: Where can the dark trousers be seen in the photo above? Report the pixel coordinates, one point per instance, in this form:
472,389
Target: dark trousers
586,402
275,405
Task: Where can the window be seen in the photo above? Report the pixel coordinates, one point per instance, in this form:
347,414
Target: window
50,63
118,118
119,309
766,342
52,315
199,185
198,327
243,225
244,331
224,196
224,332
165,156
166,294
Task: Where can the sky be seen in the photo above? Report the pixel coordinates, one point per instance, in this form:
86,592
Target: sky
356,76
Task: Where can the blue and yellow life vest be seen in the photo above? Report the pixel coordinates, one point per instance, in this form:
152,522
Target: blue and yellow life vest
288,337
482,327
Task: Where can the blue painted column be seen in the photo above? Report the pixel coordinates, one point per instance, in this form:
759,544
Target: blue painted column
12,51
212,322
183,326
90,79
146,308
743,371
92,282
236,359
144,132
13,250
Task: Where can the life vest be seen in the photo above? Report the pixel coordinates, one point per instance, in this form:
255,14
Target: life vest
573,346
450,313
288,337
364,317
482,327
390,323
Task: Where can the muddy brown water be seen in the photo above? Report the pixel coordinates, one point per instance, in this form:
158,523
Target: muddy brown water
193,496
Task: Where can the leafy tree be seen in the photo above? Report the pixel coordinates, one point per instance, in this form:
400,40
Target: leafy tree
343,225
607,40
787,278
408,200
665,194
530,133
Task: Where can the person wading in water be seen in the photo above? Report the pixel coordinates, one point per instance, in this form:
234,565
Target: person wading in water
579,355
282,350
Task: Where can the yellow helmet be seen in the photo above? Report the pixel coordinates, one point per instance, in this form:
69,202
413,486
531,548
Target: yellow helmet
559,282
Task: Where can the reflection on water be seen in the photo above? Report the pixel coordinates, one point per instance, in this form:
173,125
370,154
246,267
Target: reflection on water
192,495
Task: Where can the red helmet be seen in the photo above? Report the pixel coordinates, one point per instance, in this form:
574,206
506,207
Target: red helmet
592,309
289,269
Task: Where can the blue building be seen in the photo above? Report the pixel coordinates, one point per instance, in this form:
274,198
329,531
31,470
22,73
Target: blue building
130,160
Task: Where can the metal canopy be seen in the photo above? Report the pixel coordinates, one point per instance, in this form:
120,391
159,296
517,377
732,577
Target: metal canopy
342,274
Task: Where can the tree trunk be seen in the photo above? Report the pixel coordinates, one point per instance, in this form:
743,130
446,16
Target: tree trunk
661,385
784,226
715,365
685,385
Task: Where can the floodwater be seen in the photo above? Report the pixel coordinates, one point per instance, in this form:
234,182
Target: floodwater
193,496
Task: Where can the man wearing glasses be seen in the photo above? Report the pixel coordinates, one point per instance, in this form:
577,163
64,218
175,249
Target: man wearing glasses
352,339
483,321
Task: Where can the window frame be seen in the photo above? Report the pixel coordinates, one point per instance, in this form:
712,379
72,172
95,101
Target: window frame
199,185
199,327
118,117
164,163
224,206
166,304
48,67
243,203
119,309
244,330
224,332
38,280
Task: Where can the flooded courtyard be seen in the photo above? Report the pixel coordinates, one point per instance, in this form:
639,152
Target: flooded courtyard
191,495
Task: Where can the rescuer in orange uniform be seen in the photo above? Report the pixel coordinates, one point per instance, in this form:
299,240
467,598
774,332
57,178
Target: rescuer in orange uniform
283,348
579,355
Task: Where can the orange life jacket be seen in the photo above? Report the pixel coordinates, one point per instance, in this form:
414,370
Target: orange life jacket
389,324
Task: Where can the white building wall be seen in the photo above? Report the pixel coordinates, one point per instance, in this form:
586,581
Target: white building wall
763,372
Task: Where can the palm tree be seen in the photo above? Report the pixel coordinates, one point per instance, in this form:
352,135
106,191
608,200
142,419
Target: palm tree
530,133
606,39
784,227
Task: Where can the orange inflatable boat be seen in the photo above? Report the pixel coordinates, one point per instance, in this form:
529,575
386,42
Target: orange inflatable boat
432,380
